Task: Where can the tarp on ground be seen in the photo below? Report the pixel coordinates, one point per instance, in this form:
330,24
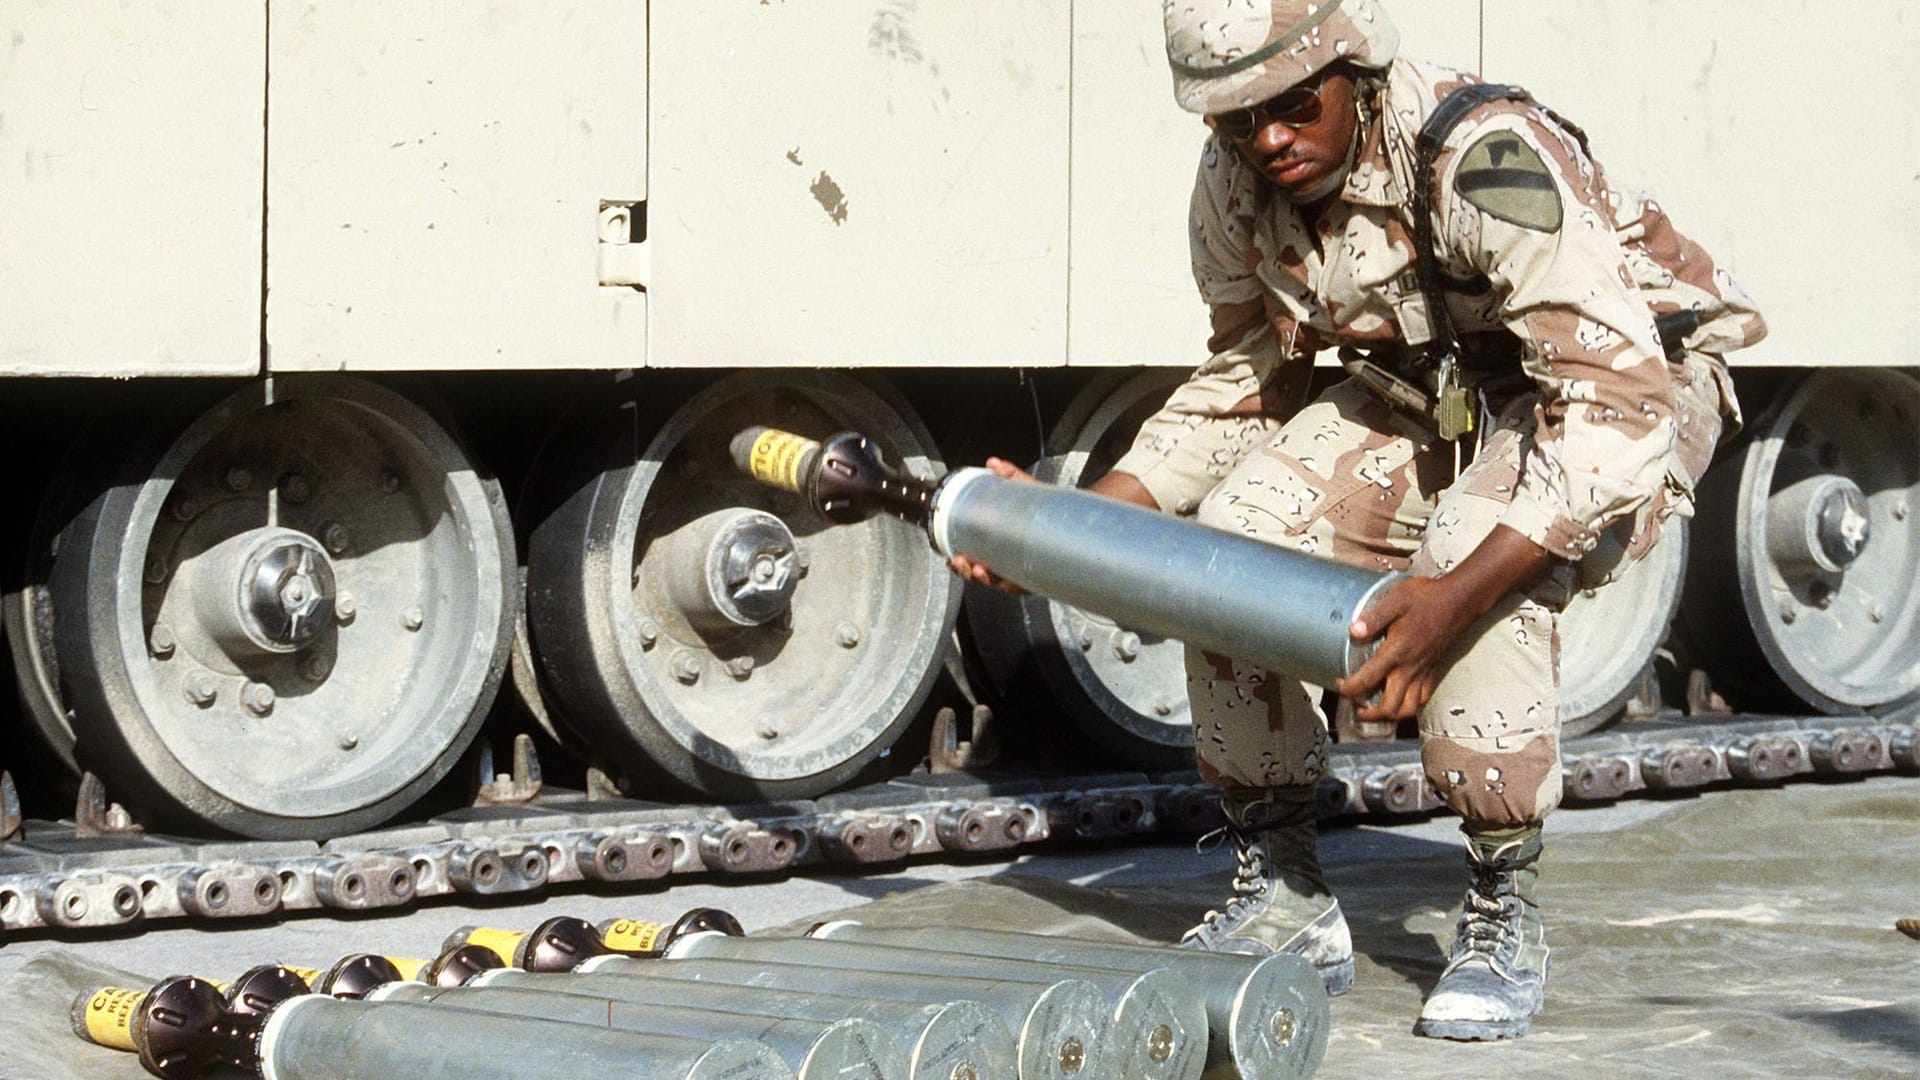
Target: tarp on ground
1744,934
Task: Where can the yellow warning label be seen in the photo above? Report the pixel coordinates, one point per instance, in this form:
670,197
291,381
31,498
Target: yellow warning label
631,935
409,968
776,458
110,1017
311,975
500,943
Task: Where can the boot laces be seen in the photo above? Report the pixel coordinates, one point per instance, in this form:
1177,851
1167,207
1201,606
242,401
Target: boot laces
1250,876
1489,926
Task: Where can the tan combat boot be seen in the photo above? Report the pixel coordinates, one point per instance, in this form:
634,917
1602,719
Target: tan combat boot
1281,902
1496,976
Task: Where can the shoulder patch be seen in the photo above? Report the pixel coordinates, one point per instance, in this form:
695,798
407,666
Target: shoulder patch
1503,175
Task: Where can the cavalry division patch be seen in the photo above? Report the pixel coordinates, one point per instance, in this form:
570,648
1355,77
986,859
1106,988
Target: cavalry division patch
1503,175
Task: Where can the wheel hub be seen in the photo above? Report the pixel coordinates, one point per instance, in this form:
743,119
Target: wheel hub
1819,524
266,590
739,568
757,568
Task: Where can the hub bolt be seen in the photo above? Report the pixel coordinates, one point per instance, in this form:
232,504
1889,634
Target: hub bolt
649,633
296,488
335,538
740,667
686,667
160,641
1161,708
348,740
1126,646
157,570
315,667
345,607
258,697
238,478
413,618
389,481
847,634
202,688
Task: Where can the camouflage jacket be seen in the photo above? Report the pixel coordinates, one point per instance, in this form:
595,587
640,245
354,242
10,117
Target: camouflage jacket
1531,239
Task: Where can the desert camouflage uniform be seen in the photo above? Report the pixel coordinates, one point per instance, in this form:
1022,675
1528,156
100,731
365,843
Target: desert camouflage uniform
1596,436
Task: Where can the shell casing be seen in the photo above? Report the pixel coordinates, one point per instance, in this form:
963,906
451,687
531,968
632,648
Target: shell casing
104,1016
942,1041
1266,1015
1159,1020
1060,1029
322,1038
1283,609
844,1049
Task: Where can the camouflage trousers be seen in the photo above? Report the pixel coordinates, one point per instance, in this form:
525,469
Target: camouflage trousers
1352,478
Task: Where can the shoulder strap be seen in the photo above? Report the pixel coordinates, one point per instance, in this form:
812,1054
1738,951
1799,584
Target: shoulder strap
1426,147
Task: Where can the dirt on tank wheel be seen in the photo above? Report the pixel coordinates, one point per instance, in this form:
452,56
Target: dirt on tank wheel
287,619
707,633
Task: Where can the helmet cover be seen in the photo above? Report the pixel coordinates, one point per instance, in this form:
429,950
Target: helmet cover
1229,54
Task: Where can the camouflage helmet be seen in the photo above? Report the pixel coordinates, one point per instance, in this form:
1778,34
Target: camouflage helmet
1228,54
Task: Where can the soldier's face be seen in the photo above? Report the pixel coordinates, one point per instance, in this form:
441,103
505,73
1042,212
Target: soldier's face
1289,144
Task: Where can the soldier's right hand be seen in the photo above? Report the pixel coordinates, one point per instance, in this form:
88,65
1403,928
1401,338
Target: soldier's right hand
979,572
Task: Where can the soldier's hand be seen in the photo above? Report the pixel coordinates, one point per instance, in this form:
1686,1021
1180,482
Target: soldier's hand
1416,623
979,572
1418,620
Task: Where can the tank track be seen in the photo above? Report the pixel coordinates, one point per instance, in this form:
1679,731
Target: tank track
100,873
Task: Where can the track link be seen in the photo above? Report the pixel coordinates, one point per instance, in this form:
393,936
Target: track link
99,875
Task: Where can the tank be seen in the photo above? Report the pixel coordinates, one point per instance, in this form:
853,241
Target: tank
367,376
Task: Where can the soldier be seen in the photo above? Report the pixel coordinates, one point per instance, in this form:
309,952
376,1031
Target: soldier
1564,335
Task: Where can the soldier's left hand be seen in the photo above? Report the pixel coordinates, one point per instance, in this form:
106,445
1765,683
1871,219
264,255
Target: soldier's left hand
1417,621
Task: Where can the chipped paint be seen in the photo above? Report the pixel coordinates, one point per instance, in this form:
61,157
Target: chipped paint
830,197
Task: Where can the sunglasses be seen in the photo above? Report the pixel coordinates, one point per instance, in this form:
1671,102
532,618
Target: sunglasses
1296,107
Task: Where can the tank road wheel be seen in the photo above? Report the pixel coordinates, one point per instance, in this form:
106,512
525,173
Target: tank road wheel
1814,551
286,621
1125,691
1608,636
705,631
